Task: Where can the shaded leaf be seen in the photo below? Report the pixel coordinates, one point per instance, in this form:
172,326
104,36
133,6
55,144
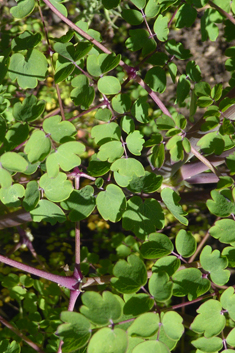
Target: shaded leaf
171,200
130,275
143,218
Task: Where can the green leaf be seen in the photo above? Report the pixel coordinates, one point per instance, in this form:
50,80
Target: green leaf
23,8
208,345
183,89
16,135
158,245
101,64
130,275
56,189
134,142
121,103
172,71
160,286
111,203
83,94
160,27
60,7
146,325
13,162
108,340
208,26
10,196
75,332
221,205
210,321
164,122
5,178
105,133
32,196
29,69
230,339
101,310
175,145
185,16
138,304
126,169
228,300
142,218
193,71
66,158
110,4
212,142
185,243
139,3
156,79
25,40
168,264
3,129
177,49
84,26
6,347
157,156
216,91
127,124
151,347
148,183
137,40
171,200
96,167
48,212
103,114
229,252
59,130
30,109
140,110
110,151
81,203
224,230
71,52
132,17
109,85
215,264
152,9
37,147
202,89
189,282
172,325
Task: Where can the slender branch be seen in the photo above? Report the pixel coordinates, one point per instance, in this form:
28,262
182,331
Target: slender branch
60,101
21,335
69,282
88,111
174,307
224,13
204,240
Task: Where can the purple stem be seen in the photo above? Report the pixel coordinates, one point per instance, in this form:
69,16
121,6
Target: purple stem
71,282
229,17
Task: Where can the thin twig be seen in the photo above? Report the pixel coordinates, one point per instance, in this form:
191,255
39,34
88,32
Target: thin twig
21,335
204,240
224,13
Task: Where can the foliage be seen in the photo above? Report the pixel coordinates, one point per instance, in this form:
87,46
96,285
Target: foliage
103,167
